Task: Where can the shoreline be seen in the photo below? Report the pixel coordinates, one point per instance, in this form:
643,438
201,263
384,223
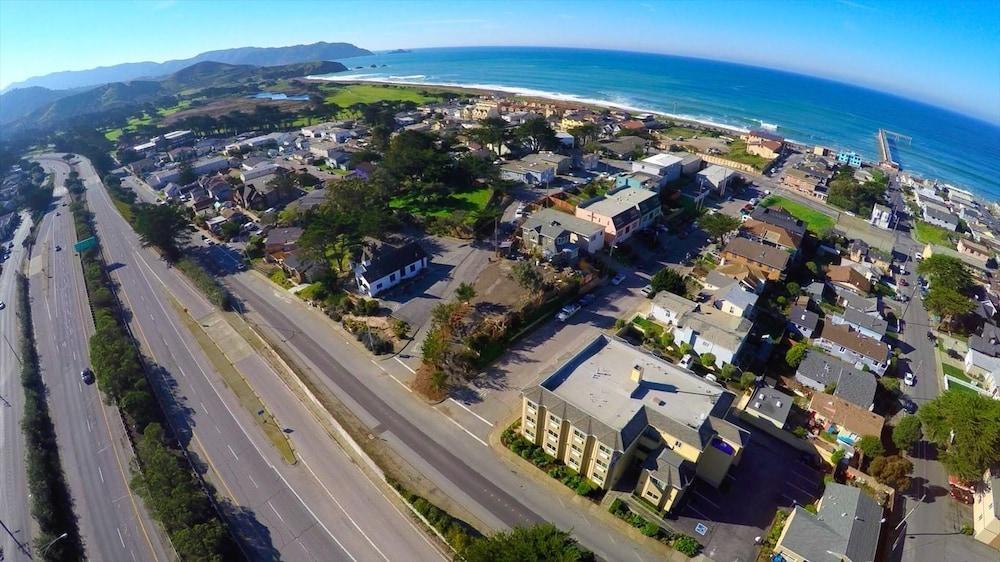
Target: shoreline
531,94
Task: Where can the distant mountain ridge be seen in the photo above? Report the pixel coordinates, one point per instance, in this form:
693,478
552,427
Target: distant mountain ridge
128,95
257,56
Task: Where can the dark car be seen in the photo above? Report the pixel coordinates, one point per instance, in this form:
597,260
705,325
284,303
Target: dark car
909,406
87,376
587,300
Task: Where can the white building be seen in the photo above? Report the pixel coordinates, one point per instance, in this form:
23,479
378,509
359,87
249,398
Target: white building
882,217
715,178
666,166
390,266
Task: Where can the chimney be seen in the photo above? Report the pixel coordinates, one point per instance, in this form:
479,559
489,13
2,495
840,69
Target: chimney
636,374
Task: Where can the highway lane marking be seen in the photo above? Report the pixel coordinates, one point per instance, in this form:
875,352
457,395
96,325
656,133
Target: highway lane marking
269,504
176,330
252,481
460,426
400,361
101,474
230,447
120,539
401,383
467,409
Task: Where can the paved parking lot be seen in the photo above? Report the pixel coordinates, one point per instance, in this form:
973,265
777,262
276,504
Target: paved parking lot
770,475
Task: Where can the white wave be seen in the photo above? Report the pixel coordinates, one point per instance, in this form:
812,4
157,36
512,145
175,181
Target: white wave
529,92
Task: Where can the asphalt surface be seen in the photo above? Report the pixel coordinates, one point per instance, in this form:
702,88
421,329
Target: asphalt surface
322,508
449,455
93,446
15,519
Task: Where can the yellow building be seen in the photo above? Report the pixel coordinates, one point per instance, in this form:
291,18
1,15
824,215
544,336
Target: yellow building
613,406
986,509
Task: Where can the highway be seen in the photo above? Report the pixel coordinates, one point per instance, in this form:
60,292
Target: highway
93,445
322,508
454,460
15,519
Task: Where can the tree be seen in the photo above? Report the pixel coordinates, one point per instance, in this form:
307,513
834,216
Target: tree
465,292
892,471
667,279
747,379
946,271
163,226
718,225
540,543
870,445
187,174
794,289
491,133
527,276
796,354
728,371
707,360
536,134
585,133
947,303
906,433
229,230
967,425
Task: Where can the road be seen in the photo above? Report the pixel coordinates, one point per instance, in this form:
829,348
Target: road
448,454
15,519
323,507
93,445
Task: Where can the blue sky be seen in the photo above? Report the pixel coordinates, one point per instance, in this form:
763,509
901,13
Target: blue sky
946,54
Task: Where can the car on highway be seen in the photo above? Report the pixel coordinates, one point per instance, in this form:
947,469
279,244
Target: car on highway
87,376
2,305
58,247
909,379
568,311
617,279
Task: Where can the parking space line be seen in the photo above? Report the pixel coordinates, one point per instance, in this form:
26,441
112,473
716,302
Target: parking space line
467,409
460,426
400,361
715,505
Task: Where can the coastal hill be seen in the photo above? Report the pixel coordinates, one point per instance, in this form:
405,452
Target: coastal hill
127,96
257,56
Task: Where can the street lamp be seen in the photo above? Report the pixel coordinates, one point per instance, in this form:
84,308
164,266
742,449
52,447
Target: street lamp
54,541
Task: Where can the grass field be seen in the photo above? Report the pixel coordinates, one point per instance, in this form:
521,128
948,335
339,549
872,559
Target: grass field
346,96
181,105
738,153
927,233
955,372
815,220
469,201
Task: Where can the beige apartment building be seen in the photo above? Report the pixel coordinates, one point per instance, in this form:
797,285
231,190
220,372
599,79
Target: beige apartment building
613,406
986,509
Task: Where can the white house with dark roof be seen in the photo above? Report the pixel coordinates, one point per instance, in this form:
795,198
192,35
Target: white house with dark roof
869,325
845,527
388,266
666,167
983,357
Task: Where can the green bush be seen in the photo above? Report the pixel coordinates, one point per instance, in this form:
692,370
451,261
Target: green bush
686,545
206,283
650,529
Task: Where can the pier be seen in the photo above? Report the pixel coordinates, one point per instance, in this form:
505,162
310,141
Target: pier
885,150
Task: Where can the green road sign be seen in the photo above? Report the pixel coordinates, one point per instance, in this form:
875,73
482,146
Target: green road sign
84,245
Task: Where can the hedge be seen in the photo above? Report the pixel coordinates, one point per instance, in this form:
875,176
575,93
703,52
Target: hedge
204,281
682,543
554,468
51,501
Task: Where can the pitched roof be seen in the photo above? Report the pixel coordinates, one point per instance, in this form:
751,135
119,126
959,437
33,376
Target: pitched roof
564,221
846,527
674,303
847,275
853,385
845,414
846,337
737,295
801,316
288,235
779,217
867,321
772,403
774,234
670,468
758,253
389,259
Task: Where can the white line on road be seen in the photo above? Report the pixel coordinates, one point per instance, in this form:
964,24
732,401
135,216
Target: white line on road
715,505
276,512
404,365
101,474
232,451
122,540
460,426
467,409
401,383
700,514
252,481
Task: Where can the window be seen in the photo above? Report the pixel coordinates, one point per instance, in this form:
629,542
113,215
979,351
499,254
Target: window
392,278
532,407
378,286
413,267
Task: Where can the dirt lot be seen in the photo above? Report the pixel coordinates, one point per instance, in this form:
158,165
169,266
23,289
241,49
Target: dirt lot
703,144
222,106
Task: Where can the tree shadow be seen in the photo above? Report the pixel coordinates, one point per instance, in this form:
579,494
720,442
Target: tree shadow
254,536
178,415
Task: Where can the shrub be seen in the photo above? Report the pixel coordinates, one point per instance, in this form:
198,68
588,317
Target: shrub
687,546
799,432
206,283
650,529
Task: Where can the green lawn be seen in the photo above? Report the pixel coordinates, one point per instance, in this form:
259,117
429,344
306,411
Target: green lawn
738,153
955,372
181,105
927,233
346,96
469,201
960,388
815,220
685,132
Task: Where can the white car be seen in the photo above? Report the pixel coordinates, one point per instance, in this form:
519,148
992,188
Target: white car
567,311
686,361
617,279
909,379
519,213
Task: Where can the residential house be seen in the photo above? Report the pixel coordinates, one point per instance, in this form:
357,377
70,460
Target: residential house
974,249
851,346
802,321
142,167
181,154
620,219
613,407
665,166
770,261
260,193
850,158
871,326
281,240
769,149
757,136
646,201
528,172
822,372
561,163
847,277
871,306
734,300
715,178
986,508
387,266
210,165
849,421
858,250
553,232
302,270
775,228
707,328
845,528
983,357
749,277
771,405
939,217
640,180
882,217
806,182
624,148
260,170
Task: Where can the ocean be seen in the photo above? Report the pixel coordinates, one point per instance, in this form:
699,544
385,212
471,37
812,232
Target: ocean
954,148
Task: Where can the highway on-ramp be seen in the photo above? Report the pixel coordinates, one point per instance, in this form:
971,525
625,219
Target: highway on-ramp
323,507
15,519
93,445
